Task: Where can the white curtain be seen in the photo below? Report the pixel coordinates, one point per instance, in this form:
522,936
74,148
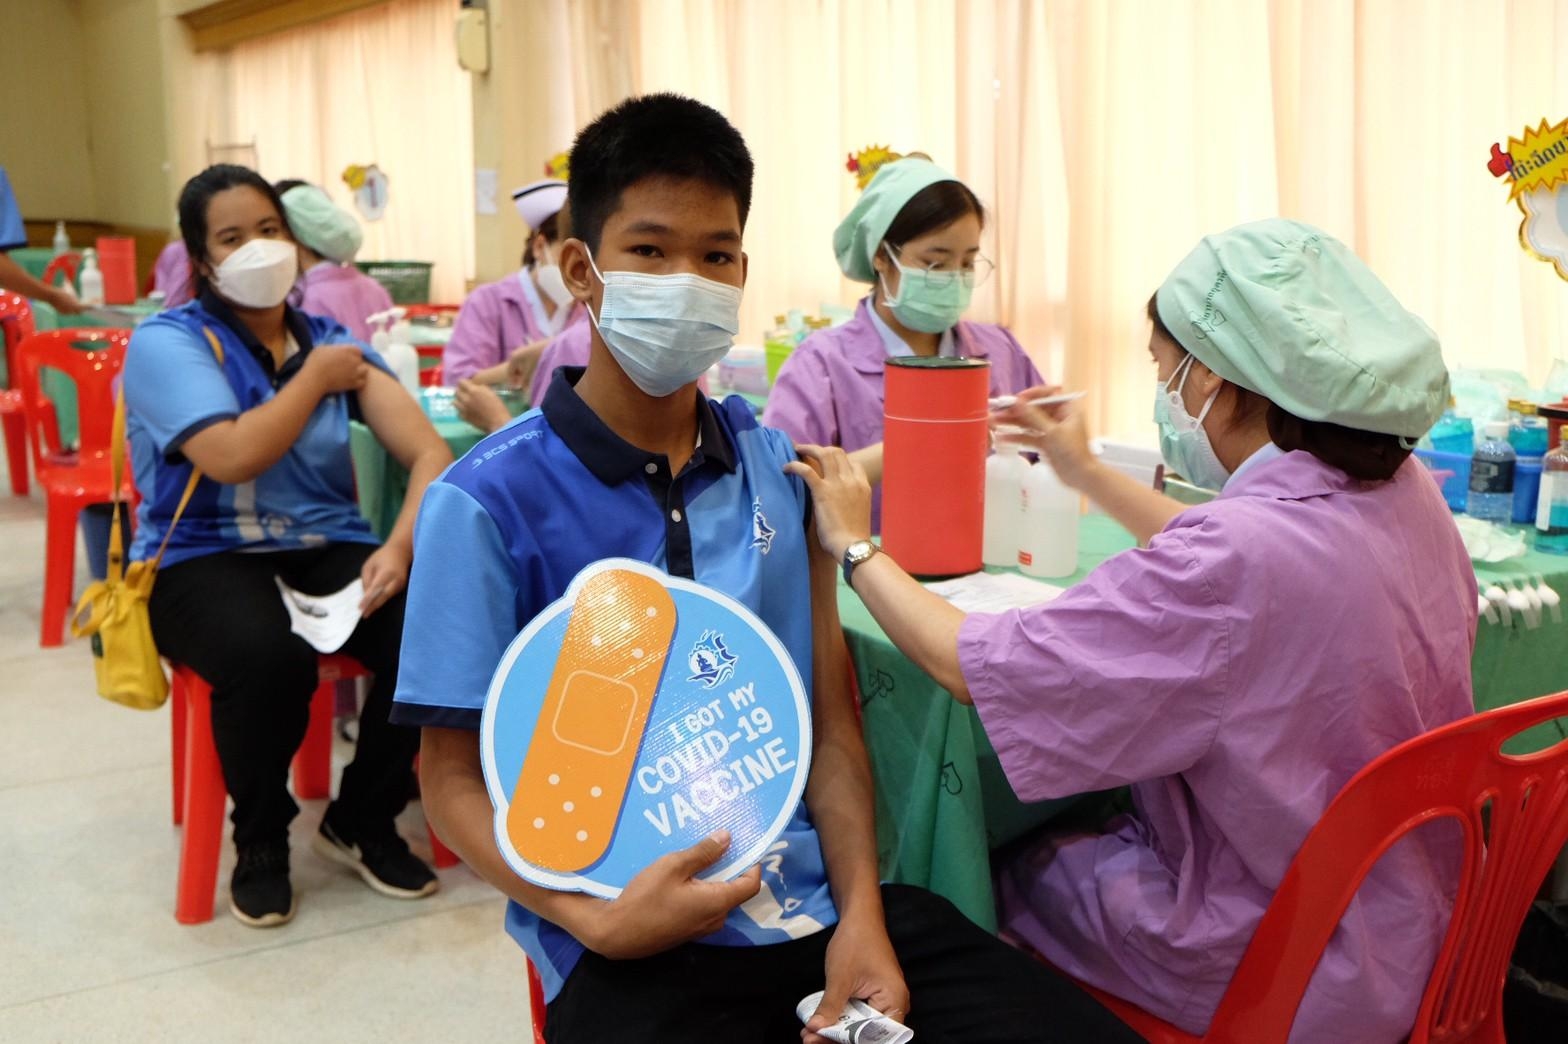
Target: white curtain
1107,136
380,85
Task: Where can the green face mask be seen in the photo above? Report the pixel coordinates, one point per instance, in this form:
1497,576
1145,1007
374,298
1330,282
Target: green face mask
929,301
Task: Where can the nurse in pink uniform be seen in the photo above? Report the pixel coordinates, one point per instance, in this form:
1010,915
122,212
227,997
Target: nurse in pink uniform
328,237
524,309
914,235
171,274
1244,664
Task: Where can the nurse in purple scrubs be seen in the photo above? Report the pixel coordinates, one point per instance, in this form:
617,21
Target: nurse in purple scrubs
1243,665
523,310
328,238
914,236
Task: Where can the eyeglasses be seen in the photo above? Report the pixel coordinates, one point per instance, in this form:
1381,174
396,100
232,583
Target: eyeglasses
973,273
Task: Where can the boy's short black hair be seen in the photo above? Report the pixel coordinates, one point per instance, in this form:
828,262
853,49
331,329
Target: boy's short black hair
655,135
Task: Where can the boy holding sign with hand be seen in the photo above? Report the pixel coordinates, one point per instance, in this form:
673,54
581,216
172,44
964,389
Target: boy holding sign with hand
626,459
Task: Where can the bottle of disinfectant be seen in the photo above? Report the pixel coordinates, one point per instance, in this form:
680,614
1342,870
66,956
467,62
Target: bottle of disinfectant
393,346
1004,475
1048,544
62,242
1492,476
91,279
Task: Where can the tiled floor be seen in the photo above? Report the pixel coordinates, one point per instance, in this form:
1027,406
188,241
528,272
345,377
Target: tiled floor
89,948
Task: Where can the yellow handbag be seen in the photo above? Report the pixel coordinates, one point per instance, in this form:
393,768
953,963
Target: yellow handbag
113,611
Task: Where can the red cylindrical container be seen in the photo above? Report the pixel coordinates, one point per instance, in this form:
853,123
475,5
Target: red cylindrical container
933,466
117,262
1556,416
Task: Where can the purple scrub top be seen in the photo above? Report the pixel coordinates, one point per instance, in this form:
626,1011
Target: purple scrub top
344,293
495,321
1262,650
171,273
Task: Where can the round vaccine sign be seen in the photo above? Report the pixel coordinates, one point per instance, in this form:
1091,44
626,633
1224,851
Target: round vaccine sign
633,717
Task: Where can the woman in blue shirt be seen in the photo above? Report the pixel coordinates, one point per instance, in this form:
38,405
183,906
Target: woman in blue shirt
259,397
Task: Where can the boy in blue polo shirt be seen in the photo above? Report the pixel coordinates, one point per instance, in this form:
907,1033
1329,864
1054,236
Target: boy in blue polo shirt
628,459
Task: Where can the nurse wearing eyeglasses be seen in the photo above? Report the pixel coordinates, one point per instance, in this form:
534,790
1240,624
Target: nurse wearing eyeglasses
915,237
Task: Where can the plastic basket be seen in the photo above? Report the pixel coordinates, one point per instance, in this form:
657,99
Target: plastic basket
407,282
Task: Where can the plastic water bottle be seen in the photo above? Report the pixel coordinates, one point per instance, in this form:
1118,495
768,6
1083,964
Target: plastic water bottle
1048,545
1492,476
1551,510
62,242
91,280
1004,474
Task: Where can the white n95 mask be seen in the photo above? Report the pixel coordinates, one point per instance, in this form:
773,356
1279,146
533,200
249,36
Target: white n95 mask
547,274
666,330
258,274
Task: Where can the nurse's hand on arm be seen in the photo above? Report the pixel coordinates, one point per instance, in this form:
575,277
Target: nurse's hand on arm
238,450
860,959
661,907
922,625
870,460
1060,434
479,405
399,424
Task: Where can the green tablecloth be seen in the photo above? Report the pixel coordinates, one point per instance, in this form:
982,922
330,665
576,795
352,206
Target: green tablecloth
1512,663
382,482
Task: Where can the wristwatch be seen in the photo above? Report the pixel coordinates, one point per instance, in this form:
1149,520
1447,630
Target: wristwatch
855,554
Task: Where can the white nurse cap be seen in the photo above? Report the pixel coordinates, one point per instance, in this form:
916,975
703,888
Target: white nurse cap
538,200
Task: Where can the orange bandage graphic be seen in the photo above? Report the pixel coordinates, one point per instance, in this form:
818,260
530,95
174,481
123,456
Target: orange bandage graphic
579,763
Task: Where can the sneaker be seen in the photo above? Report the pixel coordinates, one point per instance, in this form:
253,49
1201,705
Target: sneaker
259,892
382,860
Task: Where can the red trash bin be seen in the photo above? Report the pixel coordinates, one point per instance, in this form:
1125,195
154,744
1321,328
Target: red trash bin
117,262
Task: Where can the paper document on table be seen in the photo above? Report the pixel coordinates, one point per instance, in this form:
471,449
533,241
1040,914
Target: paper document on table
993,592
325,621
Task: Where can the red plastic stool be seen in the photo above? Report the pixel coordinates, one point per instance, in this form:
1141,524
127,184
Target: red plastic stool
14,426
536,1003
200,793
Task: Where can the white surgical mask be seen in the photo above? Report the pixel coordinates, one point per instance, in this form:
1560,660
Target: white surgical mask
547,275
665,330
1184,445
258,274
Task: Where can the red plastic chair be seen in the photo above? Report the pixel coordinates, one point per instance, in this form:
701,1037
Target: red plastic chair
199,791
1456,772
420,311
430,377
68,264
16,323
91,358
535,1001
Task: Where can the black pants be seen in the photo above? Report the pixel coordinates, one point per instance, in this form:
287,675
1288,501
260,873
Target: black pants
222,616
965,987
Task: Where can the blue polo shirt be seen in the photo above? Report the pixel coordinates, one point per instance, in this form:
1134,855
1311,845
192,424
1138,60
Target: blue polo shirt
504,531
175,387
13,233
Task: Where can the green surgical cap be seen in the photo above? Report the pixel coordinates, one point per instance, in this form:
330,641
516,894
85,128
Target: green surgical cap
322,225
1289,312
858,236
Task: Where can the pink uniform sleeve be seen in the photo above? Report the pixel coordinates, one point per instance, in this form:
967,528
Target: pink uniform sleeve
475,336
1122,678
800,403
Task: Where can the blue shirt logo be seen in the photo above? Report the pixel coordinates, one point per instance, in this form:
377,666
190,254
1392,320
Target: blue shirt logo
710,662
761,533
